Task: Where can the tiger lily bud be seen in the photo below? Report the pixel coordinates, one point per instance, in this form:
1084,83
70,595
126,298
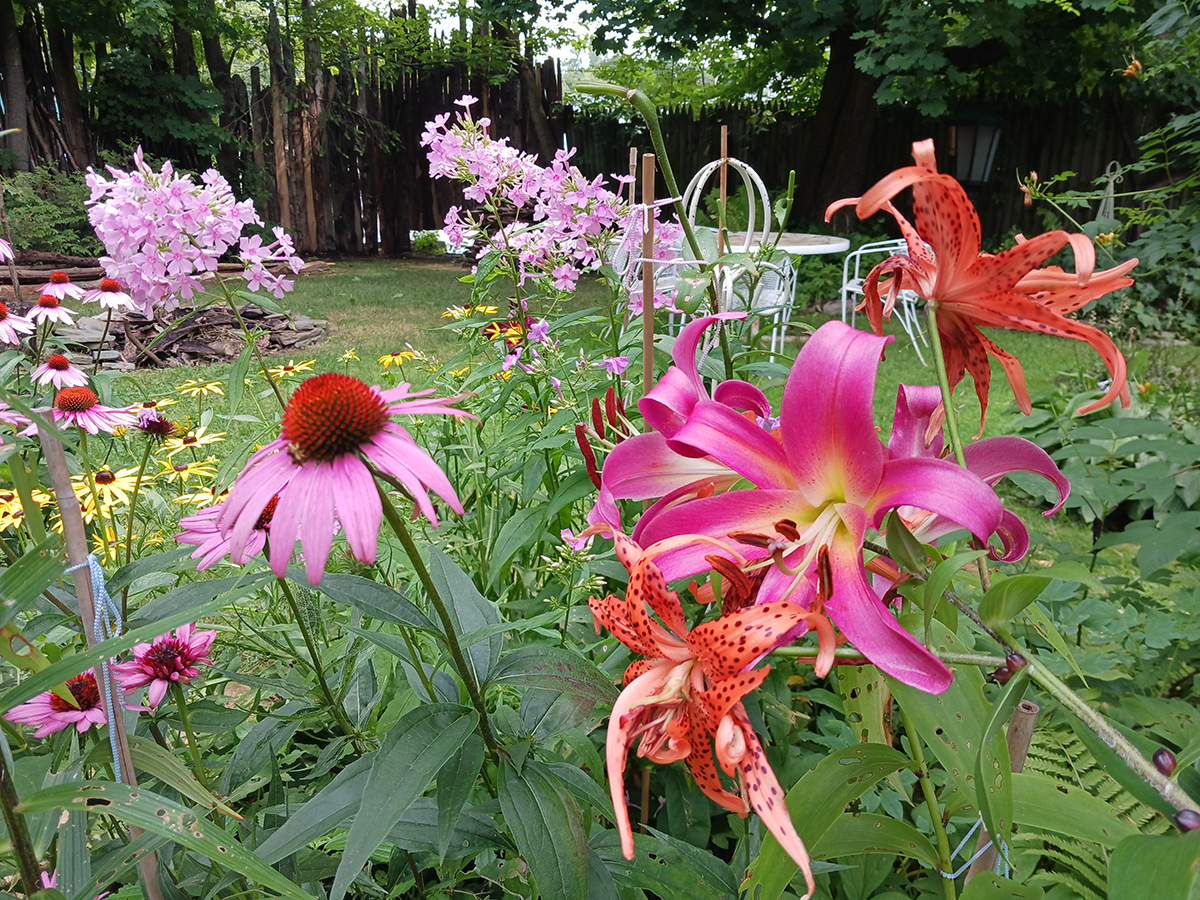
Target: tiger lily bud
1164,761
1187,820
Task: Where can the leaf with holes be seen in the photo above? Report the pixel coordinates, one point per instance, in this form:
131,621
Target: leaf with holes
150,812
993,768
855,833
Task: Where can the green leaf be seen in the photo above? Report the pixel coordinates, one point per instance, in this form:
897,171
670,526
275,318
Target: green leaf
257,298
519,626
116,864
854,833
1042,802
237,378
455,782
468,609
370,598
1008,597
321,813
1120,772
1047,629
414,751
150,812
523,528
903,547
575,487
150,758
863,690
993,768
195,594
988,886
555,668
23,581
547,825
941,576
262,743
670,868
815,802
1163,867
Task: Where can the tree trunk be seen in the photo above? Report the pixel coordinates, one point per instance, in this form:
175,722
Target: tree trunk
531,98
66,90
16,98
278,122
233,100
835,153
314,137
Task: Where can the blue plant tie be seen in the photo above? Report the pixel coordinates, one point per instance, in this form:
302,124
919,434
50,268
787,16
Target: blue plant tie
107,624
1001,856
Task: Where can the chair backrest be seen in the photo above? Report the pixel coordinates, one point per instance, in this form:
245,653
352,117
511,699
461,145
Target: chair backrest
777,285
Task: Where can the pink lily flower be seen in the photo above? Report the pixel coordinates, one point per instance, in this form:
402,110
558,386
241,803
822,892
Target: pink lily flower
683,699
991,459
822,479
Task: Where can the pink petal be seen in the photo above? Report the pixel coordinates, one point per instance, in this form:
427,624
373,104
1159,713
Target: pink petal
740,443
359,508
941,487
993,458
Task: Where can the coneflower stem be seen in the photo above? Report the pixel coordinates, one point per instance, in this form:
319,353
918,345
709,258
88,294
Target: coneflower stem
945,863
186,719
334,706
460,662
137,486
18,831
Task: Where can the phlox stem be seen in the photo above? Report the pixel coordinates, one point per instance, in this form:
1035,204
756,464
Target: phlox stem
456,653
945,863
253,343
137,487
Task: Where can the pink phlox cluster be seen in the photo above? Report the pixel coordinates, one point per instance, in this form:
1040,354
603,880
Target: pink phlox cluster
255,257
572,216
162,231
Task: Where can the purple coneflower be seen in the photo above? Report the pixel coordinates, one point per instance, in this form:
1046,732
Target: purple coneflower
58,371
316,467
80,406
167,660
6,253
13,326
49,309
51,713
60,287
109,295
212,546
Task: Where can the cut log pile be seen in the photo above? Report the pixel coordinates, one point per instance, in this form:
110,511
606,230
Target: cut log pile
183,336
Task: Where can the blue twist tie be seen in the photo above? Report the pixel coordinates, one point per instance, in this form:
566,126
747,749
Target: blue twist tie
1001,855
107,625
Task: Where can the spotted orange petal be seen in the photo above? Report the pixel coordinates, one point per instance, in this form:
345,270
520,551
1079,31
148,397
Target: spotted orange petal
725,646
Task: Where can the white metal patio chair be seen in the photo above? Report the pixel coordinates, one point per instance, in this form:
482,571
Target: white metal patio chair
861,261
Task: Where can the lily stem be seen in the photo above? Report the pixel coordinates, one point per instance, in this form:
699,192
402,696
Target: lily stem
956,442
335,707
186,718
456,653
1168,789
945,863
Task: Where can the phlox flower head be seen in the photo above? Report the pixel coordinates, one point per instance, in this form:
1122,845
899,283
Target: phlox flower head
255,257
49,309
168,659
49,712
615,365
58,371
162,231
334,425
13,326
60,287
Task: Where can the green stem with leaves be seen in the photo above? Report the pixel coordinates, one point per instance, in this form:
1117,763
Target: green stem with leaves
137,487
435,597
335,708
186,718
945,863
237,314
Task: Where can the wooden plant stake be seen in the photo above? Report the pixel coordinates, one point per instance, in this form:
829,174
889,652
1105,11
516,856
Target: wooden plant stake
648,274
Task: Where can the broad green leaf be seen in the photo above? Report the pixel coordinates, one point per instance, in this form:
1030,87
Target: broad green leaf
196,594
518,626
574,487
853,833
1045,803
905,549
455,782
414,751
863,692
237,378
261,744
523,528
1073,570
321,813
23,581
993,767
70,666
417,831
1008,597
672,869
150,812
150,758
554,668
943,573
1047,629
116,864
1162,867
469,610
815,802
987,886
370,598
547,825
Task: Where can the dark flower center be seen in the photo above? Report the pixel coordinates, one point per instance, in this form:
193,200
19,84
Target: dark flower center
165,657
109,285
48,302
264,518
331,415
58,362
75,399
59,278
85,691
3,311
190,439
104,476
